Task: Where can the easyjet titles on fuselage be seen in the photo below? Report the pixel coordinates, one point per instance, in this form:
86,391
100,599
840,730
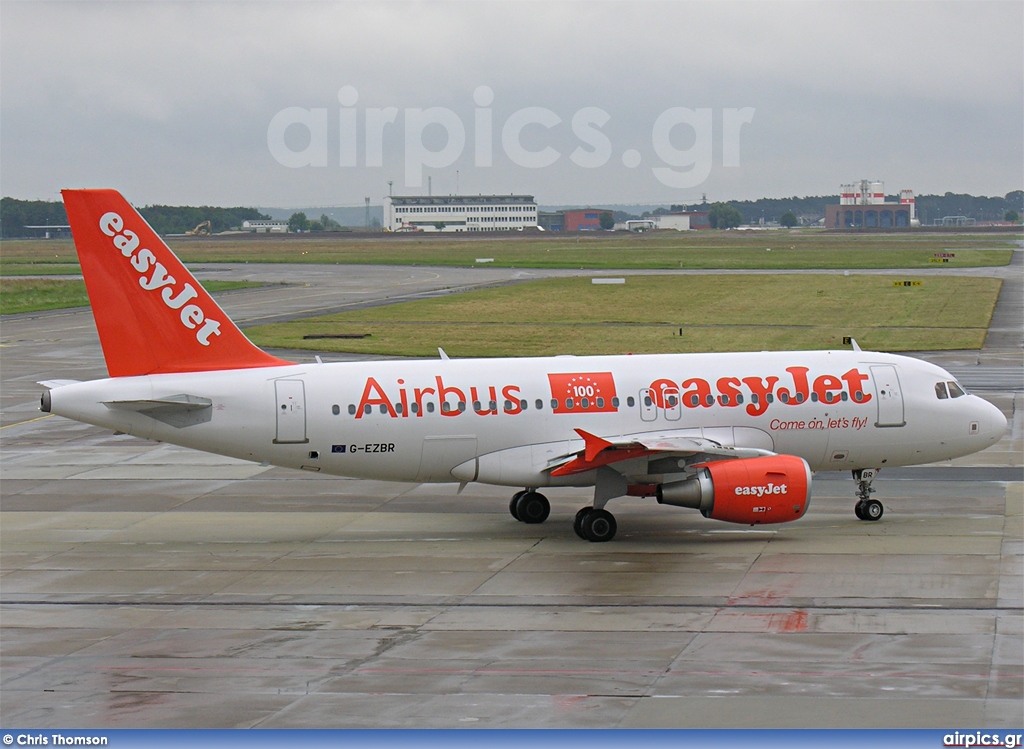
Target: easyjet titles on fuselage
756,393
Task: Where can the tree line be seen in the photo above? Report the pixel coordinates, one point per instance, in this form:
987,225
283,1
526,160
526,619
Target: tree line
15,215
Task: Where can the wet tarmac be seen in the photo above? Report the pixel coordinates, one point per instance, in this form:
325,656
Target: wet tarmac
144,585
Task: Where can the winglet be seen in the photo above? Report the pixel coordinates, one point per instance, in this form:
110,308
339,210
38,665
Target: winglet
592,444
152,315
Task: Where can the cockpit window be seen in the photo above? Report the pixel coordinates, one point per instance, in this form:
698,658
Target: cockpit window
940,391
955,391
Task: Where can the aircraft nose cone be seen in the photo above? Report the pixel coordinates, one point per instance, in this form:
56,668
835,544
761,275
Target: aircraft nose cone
996,423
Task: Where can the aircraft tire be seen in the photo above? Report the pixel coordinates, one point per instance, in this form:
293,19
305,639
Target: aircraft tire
873,510
533,508
515,501
599,526
858,510
577,523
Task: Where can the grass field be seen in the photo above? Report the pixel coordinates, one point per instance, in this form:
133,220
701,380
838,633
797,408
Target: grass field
663,314
35,295
810,249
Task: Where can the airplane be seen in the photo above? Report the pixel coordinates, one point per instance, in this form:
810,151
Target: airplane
735,435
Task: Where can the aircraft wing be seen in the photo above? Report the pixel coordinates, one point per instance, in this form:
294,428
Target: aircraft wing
598,451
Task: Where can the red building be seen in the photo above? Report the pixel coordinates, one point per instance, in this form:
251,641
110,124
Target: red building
588,219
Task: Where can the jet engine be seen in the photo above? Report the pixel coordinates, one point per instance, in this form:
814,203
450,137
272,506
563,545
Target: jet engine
752,491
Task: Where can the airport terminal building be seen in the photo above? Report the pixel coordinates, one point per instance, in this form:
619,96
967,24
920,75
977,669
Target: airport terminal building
455,213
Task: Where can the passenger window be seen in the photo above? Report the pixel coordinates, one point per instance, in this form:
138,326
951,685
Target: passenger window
539,404
430,408
955,391
367,409
523,405
398,408
600,402
335,409
554,404
351,409
584,403
415,408
647,401
615,402
940,391
630,402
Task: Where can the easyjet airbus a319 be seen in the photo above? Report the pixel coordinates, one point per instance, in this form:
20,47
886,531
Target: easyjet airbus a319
735,436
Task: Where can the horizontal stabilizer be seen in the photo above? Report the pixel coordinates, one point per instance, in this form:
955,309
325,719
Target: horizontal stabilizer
175,410
54,384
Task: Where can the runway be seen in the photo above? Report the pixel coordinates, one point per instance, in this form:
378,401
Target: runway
144,585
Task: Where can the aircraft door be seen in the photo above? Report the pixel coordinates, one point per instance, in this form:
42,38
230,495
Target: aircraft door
291,411
648,405
672,403
889,396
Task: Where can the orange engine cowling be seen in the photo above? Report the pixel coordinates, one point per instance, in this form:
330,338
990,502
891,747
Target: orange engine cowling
752,491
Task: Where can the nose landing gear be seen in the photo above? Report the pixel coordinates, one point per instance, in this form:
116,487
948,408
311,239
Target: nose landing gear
866,508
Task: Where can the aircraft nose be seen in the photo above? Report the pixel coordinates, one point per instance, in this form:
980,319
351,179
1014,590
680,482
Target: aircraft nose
997,423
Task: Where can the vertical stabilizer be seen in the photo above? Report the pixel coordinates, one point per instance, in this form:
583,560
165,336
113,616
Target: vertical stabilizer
152,315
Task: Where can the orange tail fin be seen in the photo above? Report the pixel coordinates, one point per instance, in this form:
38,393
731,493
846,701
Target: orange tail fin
152,315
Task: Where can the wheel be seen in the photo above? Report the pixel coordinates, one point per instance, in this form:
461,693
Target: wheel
577,524
858,510
873,509
512,504
533,508
599,526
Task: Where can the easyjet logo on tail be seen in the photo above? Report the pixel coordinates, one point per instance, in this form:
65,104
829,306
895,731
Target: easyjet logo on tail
158,280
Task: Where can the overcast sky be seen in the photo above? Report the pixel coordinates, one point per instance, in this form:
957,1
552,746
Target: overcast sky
235,103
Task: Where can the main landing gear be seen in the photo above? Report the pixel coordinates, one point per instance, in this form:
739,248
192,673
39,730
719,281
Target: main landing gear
597,525
591,524
529,506
866,508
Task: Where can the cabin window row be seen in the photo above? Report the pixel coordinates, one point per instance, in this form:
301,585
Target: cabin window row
460,406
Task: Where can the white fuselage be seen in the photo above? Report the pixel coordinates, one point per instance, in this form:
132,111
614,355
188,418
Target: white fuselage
501,421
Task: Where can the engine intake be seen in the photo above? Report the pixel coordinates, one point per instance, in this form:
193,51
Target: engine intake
751,491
